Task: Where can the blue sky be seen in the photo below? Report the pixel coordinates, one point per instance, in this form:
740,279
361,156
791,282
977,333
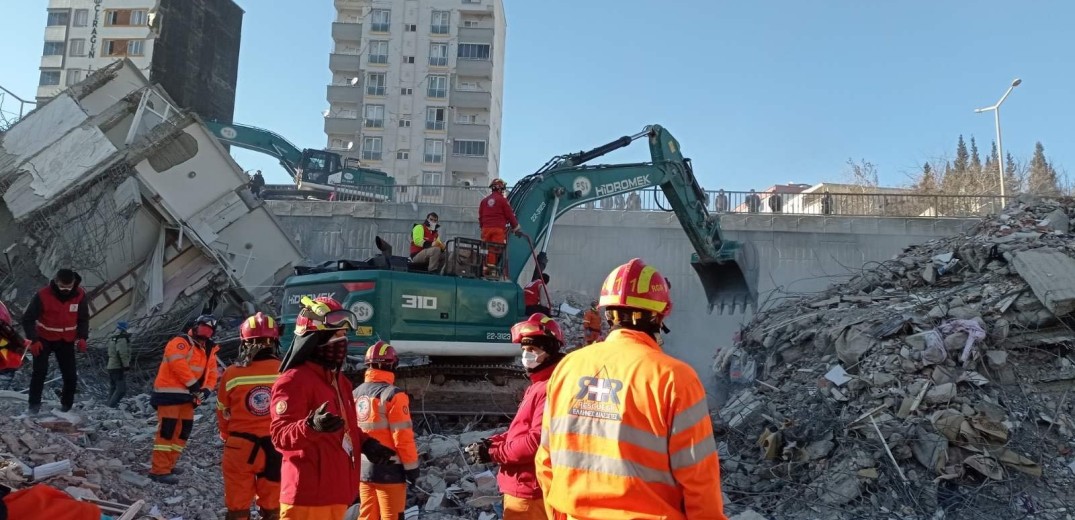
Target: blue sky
756,92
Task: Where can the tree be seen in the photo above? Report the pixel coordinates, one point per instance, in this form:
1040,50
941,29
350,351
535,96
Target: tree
927,182
962,157
1042,179
862,174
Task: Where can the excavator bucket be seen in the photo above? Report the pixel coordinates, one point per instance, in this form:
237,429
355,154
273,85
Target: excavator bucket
730,280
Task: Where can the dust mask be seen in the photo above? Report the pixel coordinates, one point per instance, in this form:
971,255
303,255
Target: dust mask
530,359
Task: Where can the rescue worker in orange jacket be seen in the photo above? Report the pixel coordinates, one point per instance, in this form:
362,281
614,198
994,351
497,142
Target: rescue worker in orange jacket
186,377
57,321
384,413
591,322
494,217
313,422
251,465
626,432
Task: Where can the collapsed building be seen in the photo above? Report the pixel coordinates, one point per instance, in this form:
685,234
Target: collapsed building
111,179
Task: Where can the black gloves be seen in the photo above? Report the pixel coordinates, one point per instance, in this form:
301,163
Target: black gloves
376,452
478,452
199,394
412,475
324,421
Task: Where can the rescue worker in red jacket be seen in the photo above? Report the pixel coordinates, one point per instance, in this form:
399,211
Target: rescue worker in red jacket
313,423
426,247
12,345
533,295
542,349
251,465
57,321
626,432
185,379
494,215
591,322
384,413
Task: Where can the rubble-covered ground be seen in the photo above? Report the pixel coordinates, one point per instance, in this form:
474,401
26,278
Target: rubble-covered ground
934,385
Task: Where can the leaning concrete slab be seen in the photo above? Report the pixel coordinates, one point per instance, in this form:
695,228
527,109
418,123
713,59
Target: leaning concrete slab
1051,275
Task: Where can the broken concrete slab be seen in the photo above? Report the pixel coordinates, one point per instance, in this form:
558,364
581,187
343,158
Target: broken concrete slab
1051,275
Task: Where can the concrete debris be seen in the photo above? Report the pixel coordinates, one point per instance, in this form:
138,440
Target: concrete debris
572,305
933,386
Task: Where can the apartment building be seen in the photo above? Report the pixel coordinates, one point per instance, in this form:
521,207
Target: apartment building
417,88
190,47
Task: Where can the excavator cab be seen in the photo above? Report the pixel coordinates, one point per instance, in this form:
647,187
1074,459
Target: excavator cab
317,165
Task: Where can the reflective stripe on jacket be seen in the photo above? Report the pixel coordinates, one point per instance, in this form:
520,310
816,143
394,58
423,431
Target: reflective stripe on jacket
183,366
421,238
627,434
58,319
384,413
245,396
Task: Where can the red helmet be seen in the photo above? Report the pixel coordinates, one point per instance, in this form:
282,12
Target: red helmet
537,325
498,184
322,313
5,316
259,326
204,326
381,353
637,286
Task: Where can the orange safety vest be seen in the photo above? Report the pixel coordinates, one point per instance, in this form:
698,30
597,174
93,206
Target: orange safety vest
184,364
384,413
627,435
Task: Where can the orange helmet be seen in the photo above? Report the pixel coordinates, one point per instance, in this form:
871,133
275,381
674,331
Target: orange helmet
322,313
537,325
498,184
259,326
381,353
639,287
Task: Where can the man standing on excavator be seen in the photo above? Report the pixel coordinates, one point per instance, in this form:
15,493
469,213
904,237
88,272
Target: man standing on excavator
532,295
251,465
591,322
626,431
426,246
494,215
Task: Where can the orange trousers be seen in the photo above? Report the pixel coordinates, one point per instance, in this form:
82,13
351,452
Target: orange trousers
174,423
42,501
381,501
497,236
290,512
241,480
516,508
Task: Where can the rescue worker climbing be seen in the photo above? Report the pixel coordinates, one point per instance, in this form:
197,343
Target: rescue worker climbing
384,414
186,377
313,423
626,432
533,295
591,322
251,465
542,343
494,215
57,321
427,249
12,345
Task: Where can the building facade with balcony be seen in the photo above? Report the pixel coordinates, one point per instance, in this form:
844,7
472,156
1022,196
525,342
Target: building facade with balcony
417,88
190,47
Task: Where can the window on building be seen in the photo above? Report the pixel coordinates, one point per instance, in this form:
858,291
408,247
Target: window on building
136,47
49,78
58,18
375,84
338,143
441,22
404,123
410,27
73,76
371,148
466,119
432,182
380,20
406,91
435,118
473,51
438,87
403,155
139,17
438,54
114,48
82,18
472,1
408,59
77,47
374,116
53,49
120,17
434,151
378,52
468,148
472,86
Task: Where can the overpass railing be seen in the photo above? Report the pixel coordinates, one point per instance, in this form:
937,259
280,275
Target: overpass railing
651,199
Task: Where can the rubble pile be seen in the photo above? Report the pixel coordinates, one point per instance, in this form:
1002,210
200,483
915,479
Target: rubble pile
933,385
571,306
451,488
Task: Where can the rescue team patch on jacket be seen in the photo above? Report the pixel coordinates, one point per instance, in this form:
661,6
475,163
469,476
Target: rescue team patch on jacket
258,399
363,408
491,203
281,406
598,398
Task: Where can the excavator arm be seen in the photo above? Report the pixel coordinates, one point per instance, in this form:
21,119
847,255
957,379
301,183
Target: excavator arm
727,269
260,140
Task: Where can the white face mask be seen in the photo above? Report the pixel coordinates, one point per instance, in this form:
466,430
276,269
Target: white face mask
530,359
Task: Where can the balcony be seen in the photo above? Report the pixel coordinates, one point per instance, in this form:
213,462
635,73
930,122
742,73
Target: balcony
470,99
54,61
344,62
342,125
475,35
476,131
347,31
460,163
345,93
474,68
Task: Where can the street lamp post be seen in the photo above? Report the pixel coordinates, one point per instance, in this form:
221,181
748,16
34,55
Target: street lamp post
996,118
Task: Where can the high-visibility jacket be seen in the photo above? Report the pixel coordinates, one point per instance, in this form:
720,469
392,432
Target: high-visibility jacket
184,365
532,292
627,434
51,317
494,211
421,238
384,413
44,501
245,396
